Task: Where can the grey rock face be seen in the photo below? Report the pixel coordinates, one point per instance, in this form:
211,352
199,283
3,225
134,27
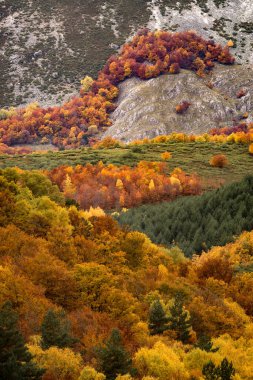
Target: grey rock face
148,108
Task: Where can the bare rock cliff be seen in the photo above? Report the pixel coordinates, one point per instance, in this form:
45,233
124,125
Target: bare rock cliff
147,108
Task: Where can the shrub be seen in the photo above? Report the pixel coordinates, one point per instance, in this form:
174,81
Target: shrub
136,149
107,143
219,161
182,107
241,93
166,156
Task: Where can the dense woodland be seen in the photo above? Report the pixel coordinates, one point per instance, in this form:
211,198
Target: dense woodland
197,223
92,299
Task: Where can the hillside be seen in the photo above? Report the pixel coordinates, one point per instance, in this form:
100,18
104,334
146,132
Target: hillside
197,223
83,118
73,38
191,157
83,290
148,109
126,210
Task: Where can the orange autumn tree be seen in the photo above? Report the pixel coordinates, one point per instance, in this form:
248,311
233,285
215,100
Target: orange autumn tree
112,186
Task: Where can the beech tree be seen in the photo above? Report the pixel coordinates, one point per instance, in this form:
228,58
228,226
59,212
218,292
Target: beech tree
89,373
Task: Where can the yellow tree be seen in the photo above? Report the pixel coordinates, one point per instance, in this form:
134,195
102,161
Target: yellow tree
160,361
151,185
60,364
89,373
68,187
119,184
93,280
86,83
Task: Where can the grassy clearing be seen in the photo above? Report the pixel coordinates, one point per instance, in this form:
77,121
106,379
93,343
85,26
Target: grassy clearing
191,157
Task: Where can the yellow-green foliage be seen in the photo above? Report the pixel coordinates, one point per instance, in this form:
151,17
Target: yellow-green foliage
124,377
89,373
86,83
60,364
160,361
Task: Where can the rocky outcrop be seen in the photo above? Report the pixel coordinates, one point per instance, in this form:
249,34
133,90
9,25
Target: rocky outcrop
148,108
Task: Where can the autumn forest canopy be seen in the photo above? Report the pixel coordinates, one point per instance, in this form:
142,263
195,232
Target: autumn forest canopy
84,290
126,261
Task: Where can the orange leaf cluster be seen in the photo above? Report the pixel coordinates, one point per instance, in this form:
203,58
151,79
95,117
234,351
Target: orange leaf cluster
148,55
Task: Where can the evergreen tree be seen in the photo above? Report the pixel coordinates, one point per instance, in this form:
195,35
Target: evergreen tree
158,322
225,371
55,331
179,319
205,344
15,359
210,371
113,359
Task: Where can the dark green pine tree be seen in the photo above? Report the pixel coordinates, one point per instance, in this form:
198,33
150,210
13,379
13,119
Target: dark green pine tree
55,331
226,370
158,322
179,320
205,344
15,359
113,359
210,371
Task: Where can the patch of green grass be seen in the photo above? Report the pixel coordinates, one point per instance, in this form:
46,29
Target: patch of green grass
191,157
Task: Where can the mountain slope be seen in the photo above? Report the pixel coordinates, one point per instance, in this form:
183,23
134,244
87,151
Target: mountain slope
148,108
47,46
197,223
